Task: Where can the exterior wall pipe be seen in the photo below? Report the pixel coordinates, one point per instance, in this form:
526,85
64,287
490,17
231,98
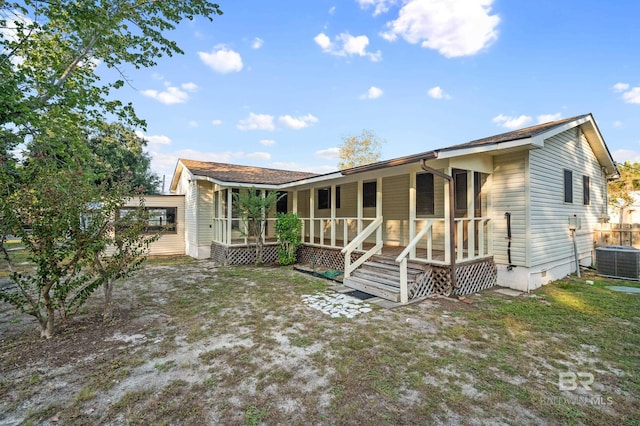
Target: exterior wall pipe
452,217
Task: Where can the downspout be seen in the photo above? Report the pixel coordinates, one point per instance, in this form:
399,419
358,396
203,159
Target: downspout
452,230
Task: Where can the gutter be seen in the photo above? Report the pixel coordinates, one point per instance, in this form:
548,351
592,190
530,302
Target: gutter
452,240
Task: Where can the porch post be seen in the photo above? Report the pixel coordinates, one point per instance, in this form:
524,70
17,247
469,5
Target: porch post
333,215
218,215
471,230
379,211
359,210
229,214
295,202
412,212
263,232
447,216
312,203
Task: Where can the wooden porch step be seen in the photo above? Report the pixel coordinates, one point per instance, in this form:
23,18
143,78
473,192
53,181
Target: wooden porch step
369,275
389,267
375,288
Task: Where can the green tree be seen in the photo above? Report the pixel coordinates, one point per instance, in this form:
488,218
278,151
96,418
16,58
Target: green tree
67,224
118,152
254,206
52,101
360,150
620,190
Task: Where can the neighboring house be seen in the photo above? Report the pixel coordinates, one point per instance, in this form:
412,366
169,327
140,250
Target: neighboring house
402,216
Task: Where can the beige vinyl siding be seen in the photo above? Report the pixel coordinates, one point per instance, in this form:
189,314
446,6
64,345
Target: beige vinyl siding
509,195
303,203
205,212
395,210
348,200
550,236
168,243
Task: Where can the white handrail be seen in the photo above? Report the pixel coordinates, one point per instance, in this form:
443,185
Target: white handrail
414,242
359,239
366,232
402,260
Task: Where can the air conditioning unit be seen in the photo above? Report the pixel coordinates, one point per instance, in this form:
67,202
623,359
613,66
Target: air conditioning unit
618,262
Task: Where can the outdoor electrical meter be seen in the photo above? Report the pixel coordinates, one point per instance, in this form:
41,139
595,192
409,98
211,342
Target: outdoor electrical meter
574,223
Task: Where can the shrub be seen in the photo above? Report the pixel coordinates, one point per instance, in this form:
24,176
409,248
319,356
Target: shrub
288,230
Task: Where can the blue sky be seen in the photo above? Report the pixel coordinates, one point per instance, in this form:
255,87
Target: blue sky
280,84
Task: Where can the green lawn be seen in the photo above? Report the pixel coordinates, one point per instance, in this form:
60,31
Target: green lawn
194,343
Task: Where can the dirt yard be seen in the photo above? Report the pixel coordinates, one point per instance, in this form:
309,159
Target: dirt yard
193,343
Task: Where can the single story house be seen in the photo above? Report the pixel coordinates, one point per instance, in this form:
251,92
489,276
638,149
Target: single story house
500,210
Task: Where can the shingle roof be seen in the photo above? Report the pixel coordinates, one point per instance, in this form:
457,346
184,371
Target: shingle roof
527,132
243,174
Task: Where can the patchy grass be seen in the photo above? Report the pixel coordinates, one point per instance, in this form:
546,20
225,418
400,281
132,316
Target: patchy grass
195,343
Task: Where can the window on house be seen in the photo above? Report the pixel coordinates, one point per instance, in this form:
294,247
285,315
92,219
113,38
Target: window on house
282,203
158,218
369,190
568,186
324,198
424,194
586,190
460,187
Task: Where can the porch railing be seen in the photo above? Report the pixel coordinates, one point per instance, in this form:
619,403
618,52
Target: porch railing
332,232
357,242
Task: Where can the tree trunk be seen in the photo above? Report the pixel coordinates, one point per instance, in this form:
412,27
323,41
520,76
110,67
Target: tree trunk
47,320
107,310
47,323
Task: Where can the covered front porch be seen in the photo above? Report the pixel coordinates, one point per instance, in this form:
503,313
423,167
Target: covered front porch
424,226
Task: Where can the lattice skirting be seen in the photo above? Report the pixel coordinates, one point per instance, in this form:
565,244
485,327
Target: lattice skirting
329,258
475,276
470,277
242,255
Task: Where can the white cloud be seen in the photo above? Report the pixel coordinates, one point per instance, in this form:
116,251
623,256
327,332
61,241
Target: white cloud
267,142
512,122
452,27
216,122
438,93
171,95
154,139
620,87
193,123
379,6
632,96
347,45
257,43
297,123
323,41
328,154
546,118
617,123
257,122
332,10
189,87
222,59
373,93
622,155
